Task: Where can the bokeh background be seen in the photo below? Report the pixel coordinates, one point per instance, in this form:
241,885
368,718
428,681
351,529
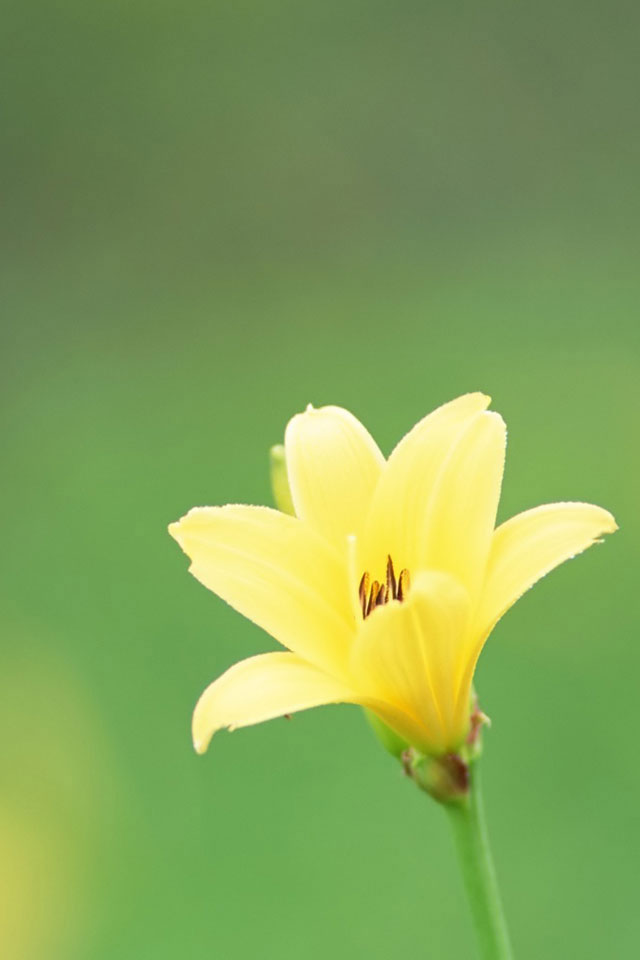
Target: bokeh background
214,213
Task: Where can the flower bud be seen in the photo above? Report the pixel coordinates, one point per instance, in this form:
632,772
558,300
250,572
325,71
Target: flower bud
280,481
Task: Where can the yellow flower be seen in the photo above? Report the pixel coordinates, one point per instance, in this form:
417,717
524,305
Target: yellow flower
385,585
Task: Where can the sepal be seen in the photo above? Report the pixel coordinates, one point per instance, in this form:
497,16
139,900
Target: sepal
390,740
447,778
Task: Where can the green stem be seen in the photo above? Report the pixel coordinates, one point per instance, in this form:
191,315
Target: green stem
472,844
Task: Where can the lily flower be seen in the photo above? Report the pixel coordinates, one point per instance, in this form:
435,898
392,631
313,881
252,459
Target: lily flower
385,585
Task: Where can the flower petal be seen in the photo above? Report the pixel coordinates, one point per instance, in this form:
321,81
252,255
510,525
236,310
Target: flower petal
402,496
411,655
334,466
531,544
277,572
261,688
457,528
272,685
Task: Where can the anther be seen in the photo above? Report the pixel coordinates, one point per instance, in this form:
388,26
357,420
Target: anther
403,584
373,596
391,578
363,592
376,594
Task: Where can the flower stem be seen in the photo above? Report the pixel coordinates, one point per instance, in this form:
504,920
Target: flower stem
472,844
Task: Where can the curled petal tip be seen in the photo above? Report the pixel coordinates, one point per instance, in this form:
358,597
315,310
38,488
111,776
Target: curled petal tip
478,397
199,746
605,520
201,738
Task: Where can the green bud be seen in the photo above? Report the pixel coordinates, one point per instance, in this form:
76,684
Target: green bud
446,778
280,481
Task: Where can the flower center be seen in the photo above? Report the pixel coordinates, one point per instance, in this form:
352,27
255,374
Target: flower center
376,593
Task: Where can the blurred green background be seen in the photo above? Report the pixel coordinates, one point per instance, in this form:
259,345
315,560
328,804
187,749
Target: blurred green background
213,214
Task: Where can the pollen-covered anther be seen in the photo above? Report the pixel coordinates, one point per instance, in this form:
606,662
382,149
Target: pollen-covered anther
375,594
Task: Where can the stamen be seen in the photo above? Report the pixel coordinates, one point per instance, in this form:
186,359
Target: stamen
403,584
373,596
376,594
391,579
363,592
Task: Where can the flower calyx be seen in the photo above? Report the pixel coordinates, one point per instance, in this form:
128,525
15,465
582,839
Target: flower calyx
447,778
